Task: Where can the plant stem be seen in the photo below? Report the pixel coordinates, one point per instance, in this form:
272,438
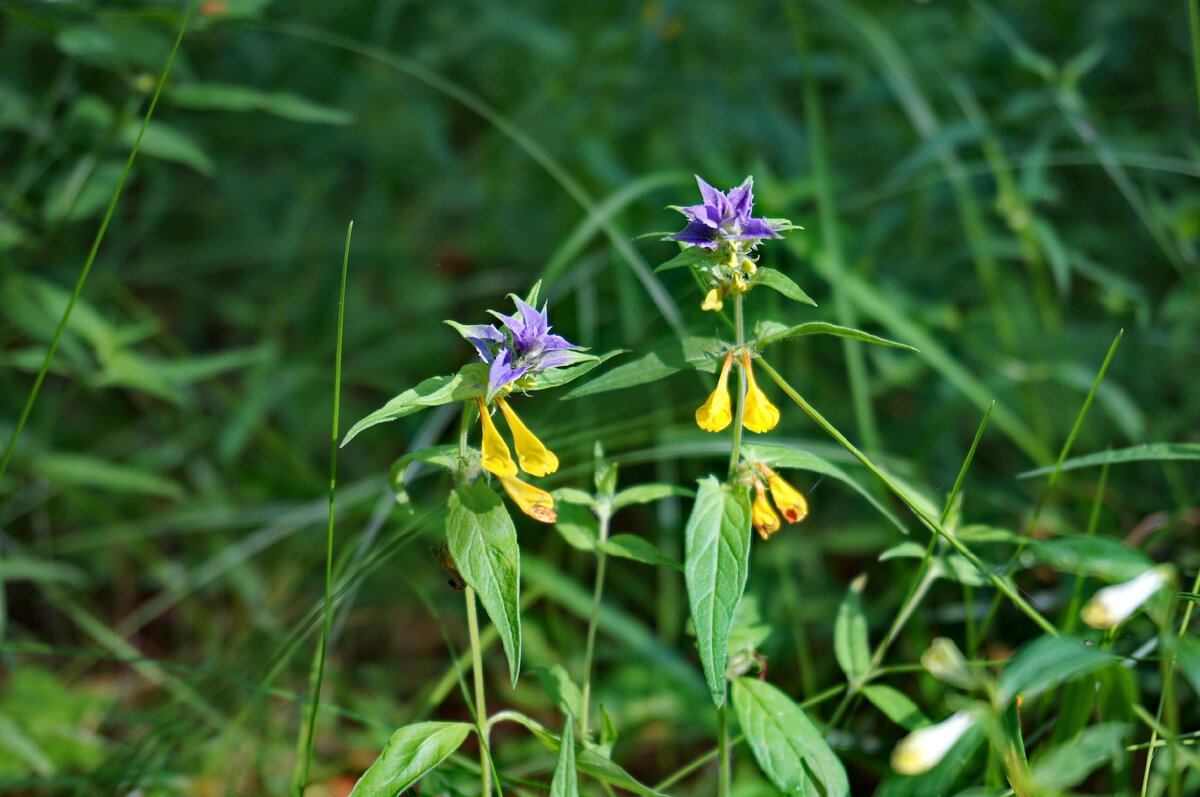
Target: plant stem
604,519
723,749
481,725
930,522
739,326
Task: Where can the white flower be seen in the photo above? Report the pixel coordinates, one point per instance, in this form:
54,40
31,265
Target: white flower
924,748
1112,606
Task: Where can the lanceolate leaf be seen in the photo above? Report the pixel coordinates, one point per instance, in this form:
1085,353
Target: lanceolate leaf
1149,452
788,747
483,544
778,281
565,782
701,354
1091,556
1069,764
850,643
469,382
1047,662
896,706
410,753
631,546
716,563
776,333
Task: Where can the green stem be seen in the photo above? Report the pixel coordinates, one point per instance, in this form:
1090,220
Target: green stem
91,258
739,326
930,522
604,520
333,449
723,749
481,726
1093,519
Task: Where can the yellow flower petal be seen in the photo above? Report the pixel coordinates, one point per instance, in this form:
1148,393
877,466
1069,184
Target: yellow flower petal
714,415
765,521
533,501
760,415
712,301
535,458
495,456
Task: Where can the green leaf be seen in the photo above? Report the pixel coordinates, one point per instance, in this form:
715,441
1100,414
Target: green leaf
565,782
469,382
1187,650
789,749
690,256
561,689
630,546
557,377
443,456
716,563
577,525
1150,452
483,544
25,569
1047,662
778,281
166,143
896,706
1069,764
645,493
701,354
822,328
84,470
850,643
83,192
572,495
787,457
229,97
410,753
1091,556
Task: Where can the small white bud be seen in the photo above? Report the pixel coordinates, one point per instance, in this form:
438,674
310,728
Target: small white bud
924,748
1113,605
945,662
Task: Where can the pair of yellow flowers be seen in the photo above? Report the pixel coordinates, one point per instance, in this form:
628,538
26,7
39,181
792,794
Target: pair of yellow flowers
535,459
759,415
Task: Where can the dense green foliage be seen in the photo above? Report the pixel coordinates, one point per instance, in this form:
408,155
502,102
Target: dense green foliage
1001,188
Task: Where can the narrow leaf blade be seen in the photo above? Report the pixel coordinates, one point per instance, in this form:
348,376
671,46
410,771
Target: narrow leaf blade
410,753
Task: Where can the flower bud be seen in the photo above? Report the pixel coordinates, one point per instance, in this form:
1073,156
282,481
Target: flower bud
945,662
924,748
1111,606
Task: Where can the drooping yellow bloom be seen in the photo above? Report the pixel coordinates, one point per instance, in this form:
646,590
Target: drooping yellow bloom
788,499
533,501
765,521
714,415
535,458
760,415
495,456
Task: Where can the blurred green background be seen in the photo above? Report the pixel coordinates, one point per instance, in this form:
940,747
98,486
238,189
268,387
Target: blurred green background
1007,187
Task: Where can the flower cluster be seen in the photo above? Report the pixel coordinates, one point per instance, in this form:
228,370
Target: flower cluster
519,352
788,500
515,356
723,224
759,415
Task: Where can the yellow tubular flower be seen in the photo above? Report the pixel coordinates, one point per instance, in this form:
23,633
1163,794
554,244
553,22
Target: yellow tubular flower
714,415
766,522
534,501
495,453
760,414
535,458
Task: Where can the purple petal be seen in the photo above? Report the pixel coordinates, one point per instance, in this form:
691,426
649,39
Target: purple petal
710,195
500,374
555,359
479,335
704,214
756,228
741,199
556,342
696,234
